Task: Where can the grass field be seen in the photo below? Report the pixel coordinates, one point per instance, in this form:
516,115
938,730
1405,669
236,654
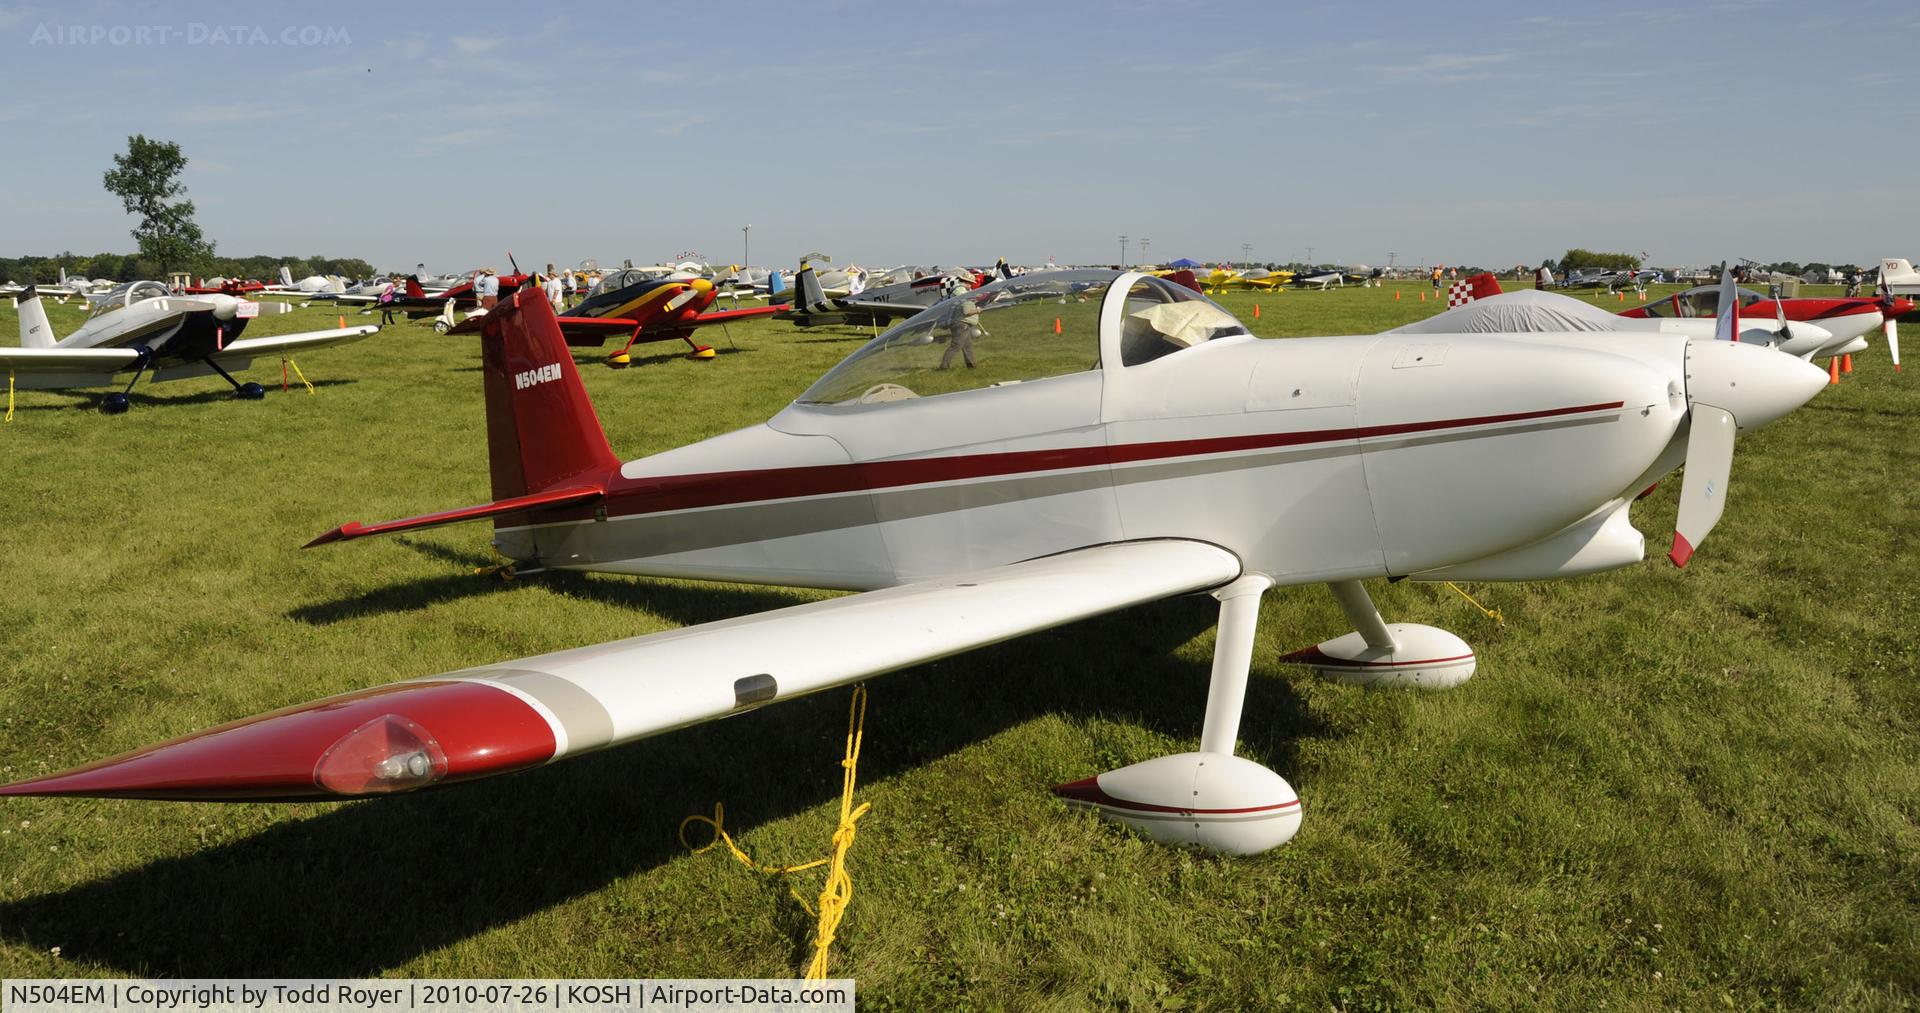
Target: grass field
1665,789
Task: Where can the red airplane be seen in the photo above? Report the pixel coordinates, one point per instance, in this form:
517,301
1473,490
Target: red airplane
232,286
643,309
1848,319
417,303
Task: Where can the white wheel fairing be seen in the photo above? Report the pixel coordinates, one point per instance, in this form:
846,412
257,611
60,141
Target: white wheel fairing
1423,657
1216,801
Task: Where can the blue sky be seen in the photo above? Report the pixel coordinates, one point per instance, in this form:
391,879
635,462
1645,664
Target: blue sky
891,132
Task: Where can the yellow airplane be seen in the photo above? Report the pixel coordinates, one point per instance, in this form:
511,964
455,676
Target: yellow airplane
1222,280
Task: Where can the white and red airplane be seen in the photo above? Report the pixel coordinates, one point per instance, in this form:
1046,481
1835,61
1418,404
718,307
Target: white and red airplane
1478,305
143,326
1037,451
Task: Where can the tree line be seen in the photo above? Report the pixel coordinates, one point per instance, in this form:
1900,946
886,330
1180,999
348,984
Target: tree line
134,267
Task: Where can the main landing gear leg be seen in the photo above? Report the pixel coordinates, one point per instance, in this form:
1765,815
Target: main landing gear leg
248,391
117,404
1378,653
1210,798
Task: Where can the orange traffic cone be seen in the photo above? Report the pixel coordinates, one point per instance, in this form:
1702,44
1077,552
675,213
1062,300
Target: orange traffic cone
1833,370
1396,295
1256,311
1423,296
343,323
1622,295
1056,325
1846,363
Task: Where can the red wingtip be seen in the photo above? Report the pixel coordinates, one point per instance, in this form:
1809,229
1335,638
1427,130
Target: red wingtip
1682,550
339,534
391,738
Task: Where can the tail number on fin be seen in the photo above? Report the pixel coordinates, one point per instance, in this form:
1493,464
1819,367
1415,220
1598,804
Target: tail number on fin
551,371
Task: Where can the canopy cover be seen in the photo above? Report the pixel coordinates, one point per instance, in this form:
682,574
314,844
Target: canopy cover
1526,311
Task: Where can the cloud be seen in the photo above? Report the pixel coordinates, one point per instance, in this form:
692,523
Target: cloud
474,44
1444,66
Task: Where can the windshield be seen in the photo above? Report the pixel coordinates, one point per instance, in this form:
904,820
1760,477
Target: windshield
128,294
1163,318
1011,331
1703,301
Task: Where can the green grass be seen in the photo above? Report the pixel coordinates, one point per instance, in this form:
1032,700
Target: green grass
1664,789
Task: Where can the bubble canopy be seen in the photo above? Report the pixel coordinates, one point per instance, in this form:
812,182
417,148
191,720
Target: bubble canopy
1019,330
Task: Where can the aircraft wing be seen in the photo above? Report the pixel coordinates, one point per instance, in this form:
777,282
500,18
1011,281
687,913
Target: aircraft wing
878,310
66,360
724,316
498,718
59,368
593,331
246,348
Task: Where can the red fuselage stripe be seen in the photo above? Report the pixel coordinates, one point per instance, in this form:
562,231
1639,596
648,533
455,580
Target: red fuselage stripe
627,497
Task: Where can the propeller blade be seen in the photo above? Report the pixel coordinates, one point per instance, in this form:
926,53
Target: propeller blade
1726,324
1892,329
1703,487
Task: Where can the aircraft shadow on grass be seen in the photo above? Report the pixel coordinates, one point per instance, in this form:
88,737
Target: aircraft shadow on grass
367,886
80,399
682,605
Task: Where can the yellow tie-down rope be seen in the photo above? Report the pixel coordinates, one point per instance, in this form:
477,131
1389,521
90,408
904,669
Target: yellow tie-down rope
287,360
837,893
1493,614
9,395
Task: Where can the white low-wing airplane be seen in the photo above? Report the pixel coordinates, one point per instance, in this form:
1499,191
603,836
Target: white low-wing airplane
1478,305
142,326
1033,452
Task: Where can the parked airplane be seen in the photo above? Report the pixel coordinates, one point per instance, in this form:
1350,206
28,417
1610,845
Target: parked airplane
645,308
1112,439
143,326
812,306
1898,278
1848,321
1477,305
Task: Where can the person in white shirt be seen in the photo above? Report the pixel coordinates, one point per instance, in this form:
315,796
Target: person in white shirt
556,294
486,288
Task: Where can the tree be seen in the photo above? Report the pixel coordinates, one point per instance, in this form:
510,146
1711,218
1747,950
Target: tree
147,179
1586,260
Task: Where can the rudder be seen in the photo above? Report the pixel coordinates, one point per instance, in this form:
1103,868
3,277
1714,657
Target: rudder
35,330
541,428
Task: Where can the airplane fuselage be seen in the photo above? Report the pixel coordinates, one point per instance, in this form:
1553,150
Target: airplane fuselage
1311,459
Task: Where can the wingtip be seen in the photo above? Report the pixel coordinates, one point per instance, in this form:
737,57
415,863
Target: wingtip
339,534
1682,550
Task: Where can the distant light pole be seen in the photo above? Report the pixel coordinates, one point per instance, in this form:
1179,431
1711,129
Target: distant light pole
1144,243
1309,256
1123,252
746,249
1246,253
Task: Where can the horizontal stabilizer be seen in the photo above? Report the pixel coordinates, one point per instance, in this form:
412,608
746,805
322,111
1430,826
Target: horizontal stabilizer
571,496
